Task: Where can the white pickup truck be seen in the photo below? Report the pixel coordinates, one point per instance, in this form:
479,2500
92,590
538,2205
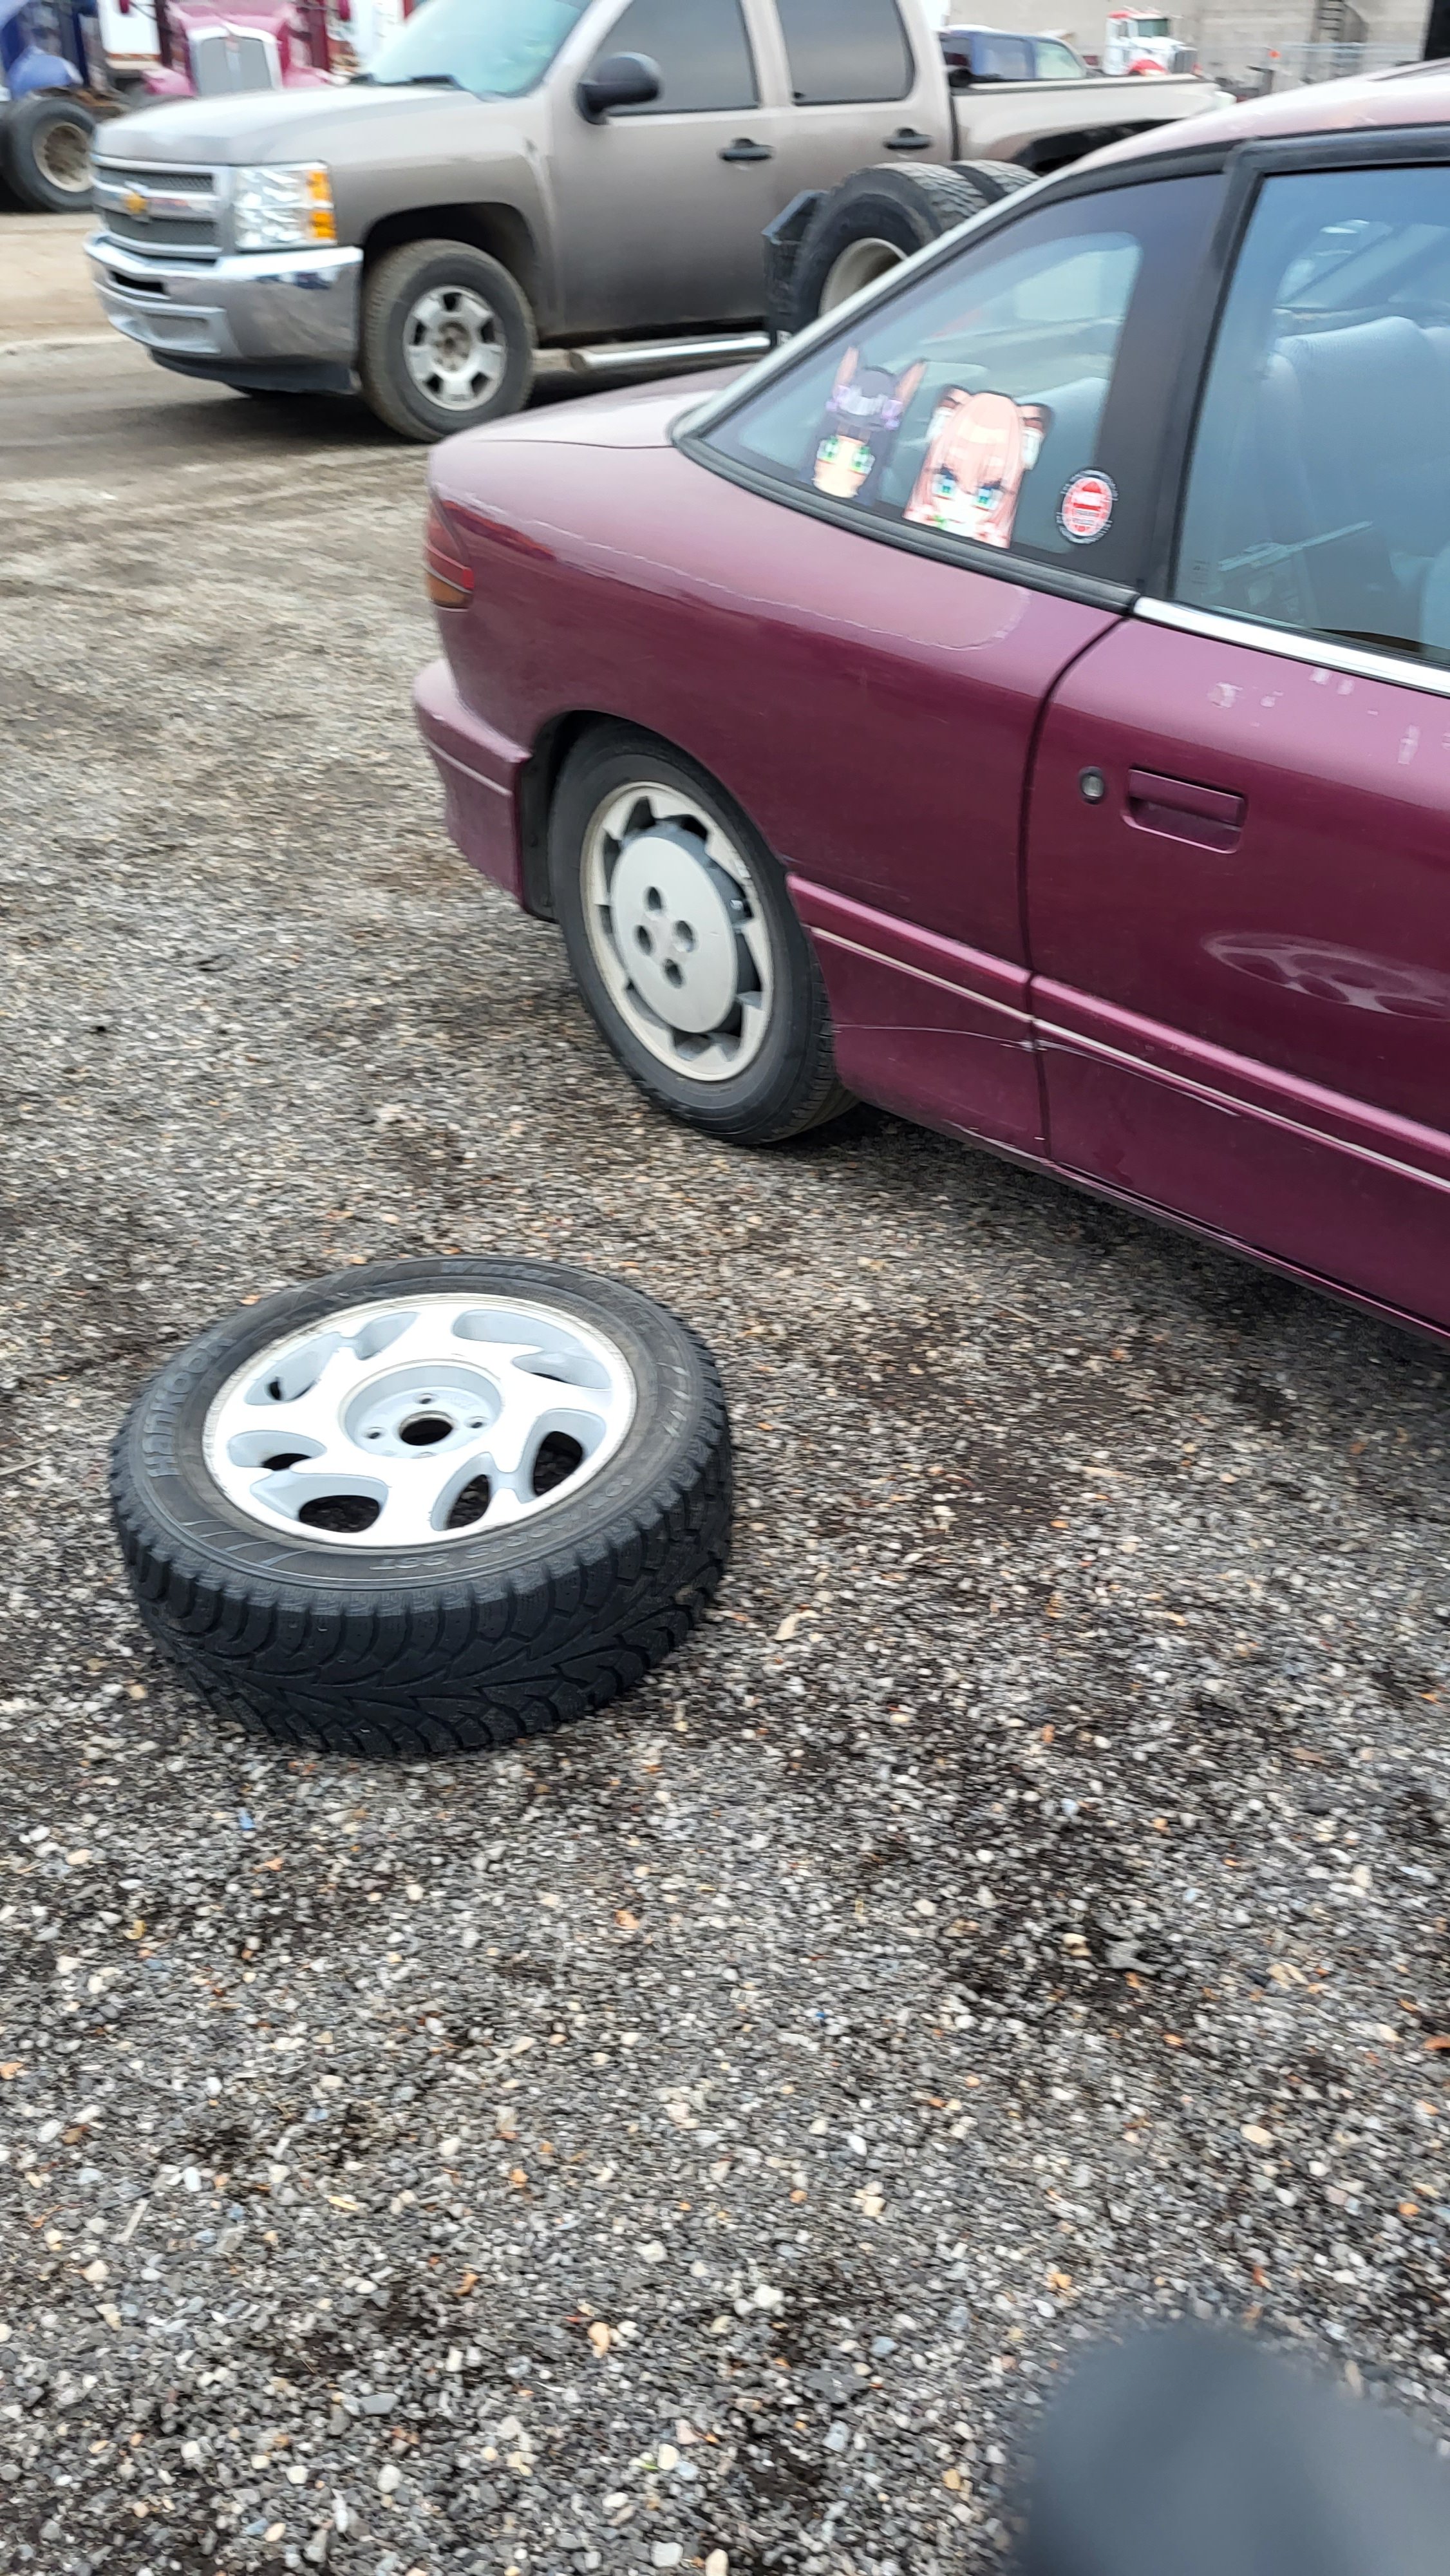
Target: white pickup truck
590,175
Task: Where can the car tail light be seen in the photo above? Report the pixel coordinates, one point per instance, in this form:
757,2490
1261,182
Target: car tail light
448,571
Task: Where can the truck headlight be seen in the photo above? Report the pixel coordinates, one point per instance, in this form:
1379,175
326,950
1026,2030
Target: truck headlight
283,207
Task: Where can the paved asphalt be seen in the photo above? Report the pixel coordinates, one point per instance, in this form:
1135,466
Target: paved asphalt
716,2129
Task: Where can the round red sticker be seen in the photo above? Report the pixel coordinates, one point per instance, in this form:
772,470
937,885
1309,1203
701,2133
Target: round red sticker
1086,508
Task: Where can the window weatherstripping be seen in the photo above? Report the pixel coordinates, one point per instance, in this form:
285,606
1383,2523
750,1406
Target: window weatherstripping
1321,652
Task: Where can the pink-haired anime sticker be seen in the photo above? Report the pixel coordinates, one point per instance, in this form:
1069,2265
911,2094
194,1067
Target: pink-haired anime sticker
865,411
978,449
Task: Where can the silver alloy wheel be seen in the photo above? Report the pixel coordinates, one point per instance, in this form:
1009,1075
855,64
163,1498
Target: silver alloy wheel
860,264
454,347
63,156
411,1421
677,931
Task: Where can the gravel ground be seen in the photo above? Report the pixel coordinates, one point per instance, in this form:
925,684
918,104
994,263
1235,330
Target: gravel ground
710,2130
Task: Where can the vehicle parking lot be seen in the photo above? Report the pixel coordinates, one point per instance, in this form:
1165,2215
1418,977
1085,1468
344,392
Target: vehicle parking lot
712,2128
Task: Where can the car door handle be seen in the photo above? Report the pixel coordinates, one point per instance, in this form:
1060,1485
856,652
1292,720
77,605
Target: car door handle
906,139
1210,817
742,149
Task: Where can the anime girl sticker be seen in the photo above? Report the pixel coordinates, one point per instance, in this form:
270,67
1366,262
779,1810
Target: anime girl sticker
978,449
865,411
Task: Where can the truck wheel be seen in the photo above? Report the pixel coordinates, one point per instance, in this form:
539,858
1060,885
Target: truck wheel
45,151
871,223
447,340
685,943
428,1507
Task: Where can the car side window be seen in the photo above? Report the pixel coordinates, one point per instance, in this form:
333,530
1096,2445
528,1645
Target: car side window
844,51
701,47
1058,62
1318,492
988,406
1001,58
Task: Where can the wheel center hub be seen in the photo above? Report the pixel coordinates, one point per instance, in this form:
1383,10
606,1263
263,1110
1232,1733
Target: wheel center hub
673,916
410,1413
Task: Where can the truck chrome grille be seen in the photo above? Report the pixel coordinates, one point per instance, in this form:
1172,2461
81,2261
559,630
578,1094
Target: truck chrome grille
158,209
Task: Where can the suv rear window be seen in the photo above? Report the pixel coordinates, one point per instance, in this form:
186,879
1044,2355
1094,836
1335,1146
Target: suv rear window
845,50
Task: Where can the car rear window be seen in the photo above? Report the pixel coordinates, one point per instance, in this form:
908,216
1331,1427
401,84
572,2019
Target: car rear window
844,50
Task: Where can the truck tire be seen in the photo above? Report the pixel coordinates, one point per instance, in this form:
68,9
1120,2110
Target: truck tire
468,1630
447,340
872,222
698,972
45,151
998,178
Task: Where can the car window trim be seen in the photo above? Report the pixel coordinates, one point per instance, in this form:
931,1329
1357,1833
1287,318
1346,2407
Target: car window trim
1247,166
1062,581
1297,644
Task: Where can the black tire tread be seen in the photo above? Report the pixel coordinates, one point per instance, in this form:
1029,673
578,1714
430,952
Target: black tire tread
996,179
452,1668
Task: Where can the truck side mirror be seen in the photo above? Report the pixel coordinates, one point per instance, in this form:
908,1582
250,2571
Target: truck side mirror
617,80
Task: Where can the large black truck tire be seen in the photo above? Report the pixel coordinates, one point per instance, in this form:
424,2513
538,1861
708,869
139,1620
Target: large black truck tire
876,219
45,151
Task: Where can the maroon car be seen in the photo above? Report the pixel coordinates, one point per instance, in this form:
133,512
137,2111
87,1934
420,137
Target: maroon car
1024,700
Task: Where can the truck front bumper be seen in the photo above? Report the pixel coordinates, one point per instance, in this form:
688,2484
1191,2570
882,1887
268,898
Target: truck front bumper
271,318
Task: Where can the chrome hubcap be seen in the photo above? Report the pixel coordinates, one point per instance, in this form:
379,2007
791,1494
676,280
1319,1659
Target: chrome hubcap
414,1420
454,348
677,931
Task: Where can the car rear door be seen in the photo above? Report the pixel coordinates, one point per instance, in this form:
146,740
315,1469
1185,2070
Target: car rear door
1239,844
856,89
906,645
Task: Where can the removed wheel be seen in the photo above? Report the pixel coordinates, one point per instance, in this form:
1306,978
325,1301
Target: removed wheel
45,151
447,340
876,219
685,944
428,1507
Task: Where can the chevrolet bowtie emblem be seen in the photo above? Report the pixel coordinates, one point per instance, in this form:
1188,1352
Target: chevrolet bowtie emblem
137,202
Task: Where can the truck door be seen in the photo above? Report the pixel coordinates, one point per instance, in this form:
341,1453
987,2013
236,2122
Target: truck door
660,209
858,92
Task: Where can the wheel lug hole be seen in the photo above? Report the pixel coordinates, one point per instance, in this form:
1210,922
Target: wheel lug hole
644,939
655,900
673,974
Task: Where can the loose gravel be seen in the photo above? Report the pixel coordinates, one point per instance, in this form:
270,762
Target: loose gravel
705,2136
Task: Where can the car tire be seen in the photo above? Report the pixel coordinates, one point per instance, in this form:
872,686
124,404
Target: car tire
442,315
450,1638
876,219
761,1069
45,151
997,179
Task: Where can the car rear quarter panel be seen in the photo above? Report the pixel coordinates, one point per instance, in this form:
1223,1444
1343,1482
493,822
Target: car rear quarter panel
870,708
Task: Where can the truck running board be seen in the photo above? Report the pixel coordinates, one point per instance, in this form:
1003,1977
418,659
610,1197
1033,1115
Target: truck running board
714,349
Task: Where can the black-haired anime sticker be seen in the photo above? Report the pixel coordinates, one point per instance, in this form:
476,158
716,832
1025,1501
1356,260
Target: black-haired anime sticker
865,411
1085,511
978,449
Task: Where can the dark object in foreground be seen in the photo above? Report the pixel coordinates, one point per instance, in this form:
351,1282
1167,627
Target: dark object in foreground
428,1507
1192,2451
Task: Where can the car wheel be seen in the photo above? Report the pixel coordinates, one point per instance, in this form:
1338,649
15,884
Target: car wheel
876,219
685,944
428,1507
45,151
447,340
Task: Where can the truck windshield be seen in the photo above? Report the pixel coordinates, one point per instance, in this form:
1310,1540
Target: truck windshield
499,48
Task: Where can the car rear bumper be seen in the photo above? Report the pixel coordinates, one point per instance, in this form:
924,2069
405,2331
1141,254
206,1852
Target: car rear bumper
481,775
294,310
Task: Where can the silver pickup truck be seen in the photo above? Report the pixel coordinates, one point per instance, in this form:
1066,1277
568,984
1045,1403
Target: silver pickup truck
588,175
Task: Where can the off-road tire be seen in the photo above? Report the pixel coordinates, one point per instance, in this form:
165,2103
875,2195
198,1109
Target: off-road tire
431,1650
908,208
391,288
24,126
792,1084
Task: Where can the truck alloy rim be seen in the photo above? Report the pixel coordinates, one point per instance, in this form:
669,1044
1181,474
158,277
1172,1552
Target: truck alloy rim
412,1421
63,156
677,931
454,348
860,264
